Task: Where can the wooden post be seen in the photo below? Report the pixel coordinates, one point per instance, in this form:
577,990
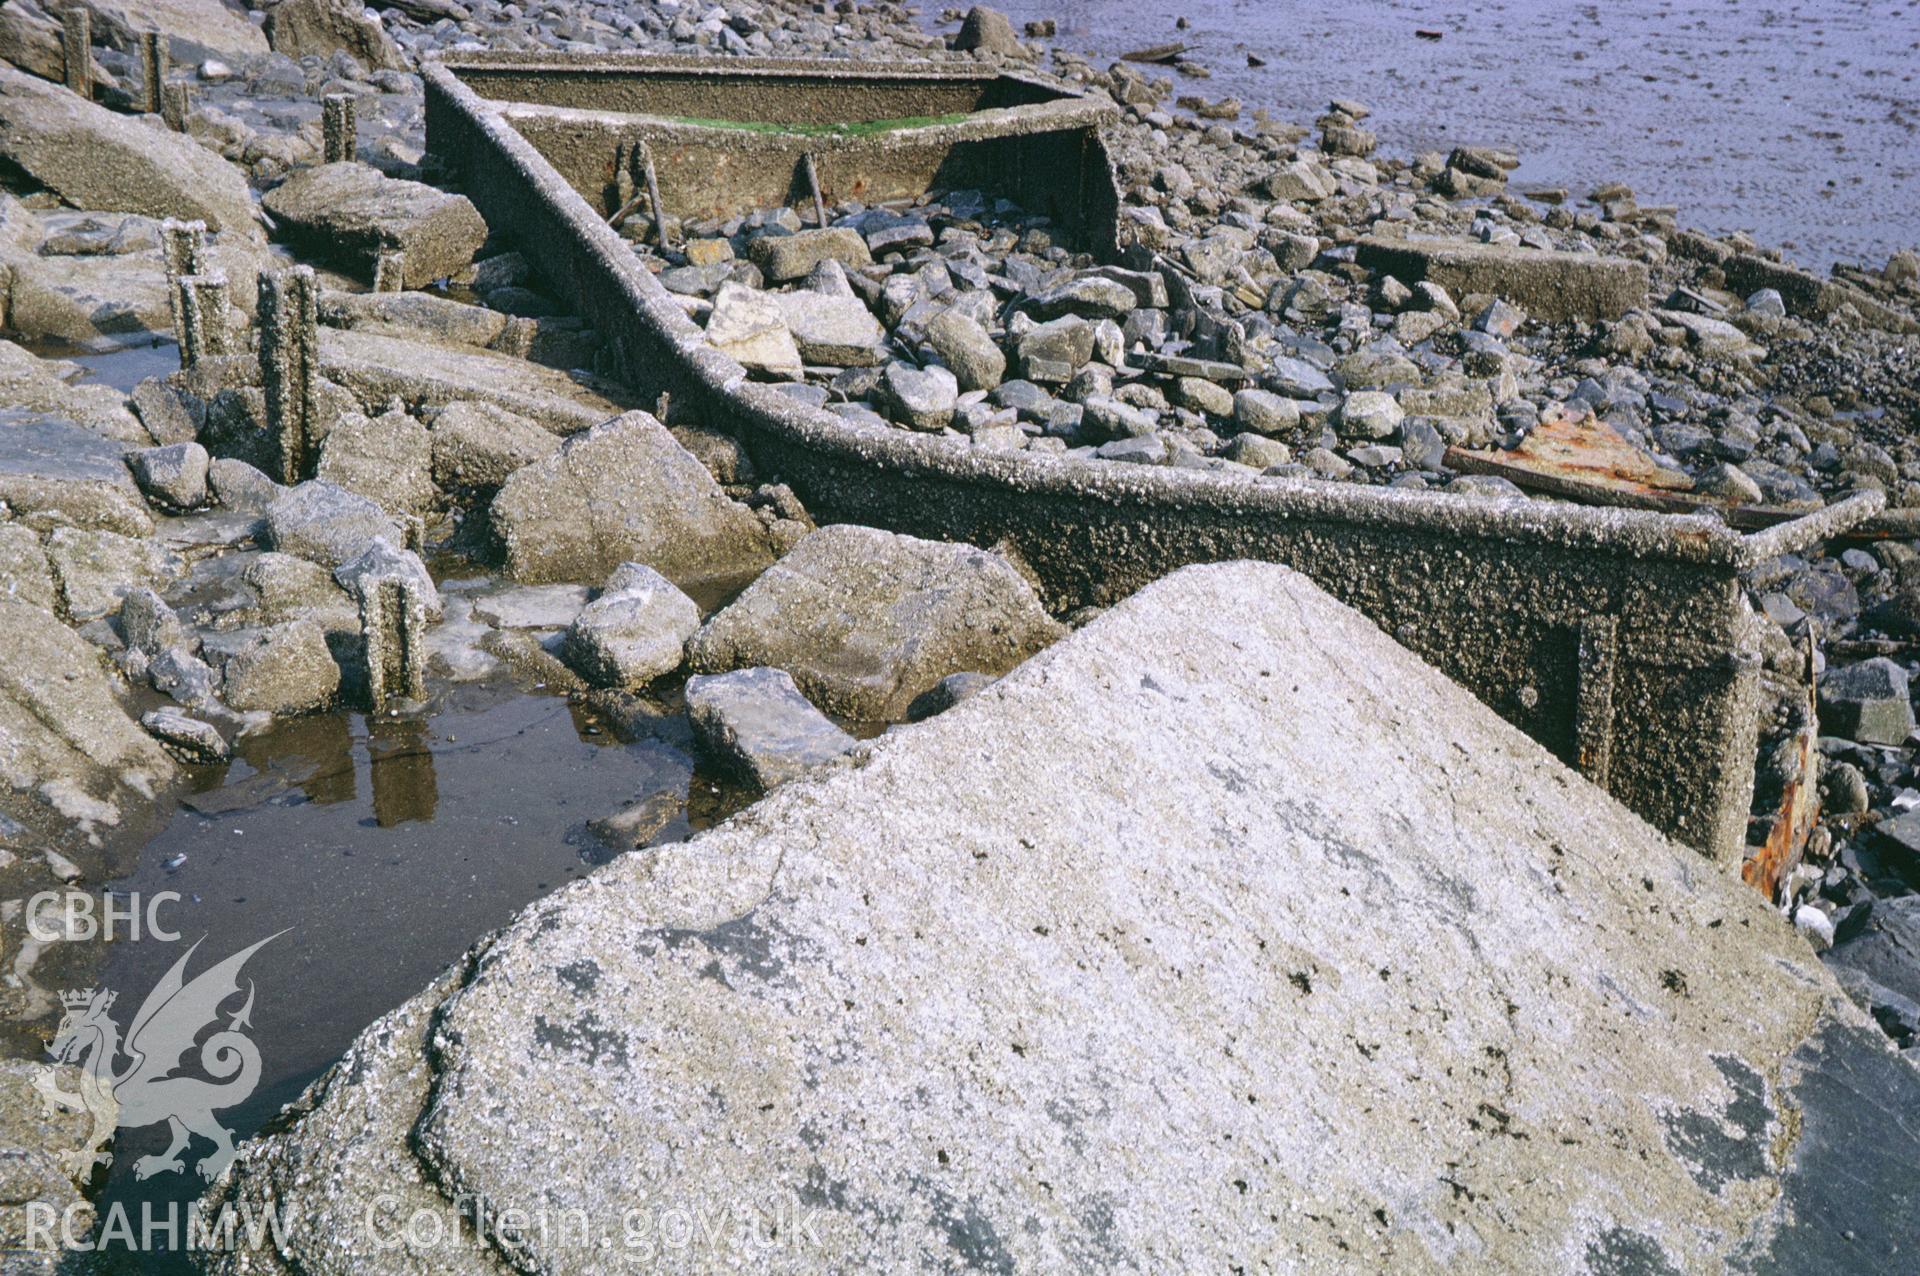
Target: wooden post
813,185
153,70
176,103
76,43
339,127
653,194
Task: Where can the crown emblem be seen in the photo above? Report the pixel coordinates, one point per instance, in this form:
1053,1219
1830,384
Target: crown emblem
83,998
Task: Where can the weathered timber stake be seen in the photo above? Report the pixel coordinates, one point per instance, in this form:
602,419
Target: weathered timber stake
153,71
393,628
183,247
200,310
289,357
813,186
653,195
76,44
390,271
340,128
176,104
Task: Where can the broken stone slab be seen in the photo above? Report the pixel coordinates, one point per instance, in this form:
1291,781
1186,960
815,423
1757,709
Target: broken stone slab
867,620
831,329
33,388
624,491
186,737
379,368
281,669
544,607
414,316
1004,1002
320,28
353,215
634,632
326,524
757,725
1869,702
53,474
921,398
76,766
1552,286
480,445
750,327
1808,296
93,158
194,30
24,572
97,568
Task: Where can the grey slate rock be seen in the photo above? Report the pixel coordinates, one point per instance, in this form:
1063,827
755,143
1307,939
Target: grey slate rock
1868,702
756,722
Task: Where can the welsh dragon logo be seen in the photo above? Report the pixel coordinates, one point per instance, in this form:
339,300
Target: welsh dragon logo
146,1091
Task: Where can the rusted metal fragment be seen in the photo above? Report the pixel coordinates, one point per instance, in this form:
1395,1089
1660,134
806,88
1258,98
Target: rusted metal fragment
1569,445
1572,455
1767,866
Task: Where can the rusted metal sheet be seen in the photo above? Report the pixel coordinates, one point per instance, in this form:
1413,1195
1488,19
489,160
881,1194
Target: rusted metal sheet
1767,866
1571,454
1570,446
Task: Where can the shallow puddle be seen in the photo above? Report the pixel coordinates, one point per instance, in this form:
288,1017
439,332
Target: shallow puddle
374,851
122,368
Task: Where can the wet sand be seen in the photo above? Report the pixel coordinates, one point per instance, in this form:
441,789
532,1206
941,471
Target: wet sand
1795,121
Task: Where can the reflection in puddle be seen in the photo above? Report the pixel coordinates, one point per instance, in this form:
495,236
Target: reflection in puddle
402,765
383,879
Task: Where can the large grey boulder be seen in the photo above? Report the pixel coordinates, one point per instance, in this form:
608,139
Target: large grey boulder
969,353
350,214
195,29
93,158
624,491
782,258
32,387
319,28
388,459
326,524
50,1154
756,724
988,31
1223,930
1869,702
480,445
634,632
283,669
175,476
53,474
866,620
73,763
